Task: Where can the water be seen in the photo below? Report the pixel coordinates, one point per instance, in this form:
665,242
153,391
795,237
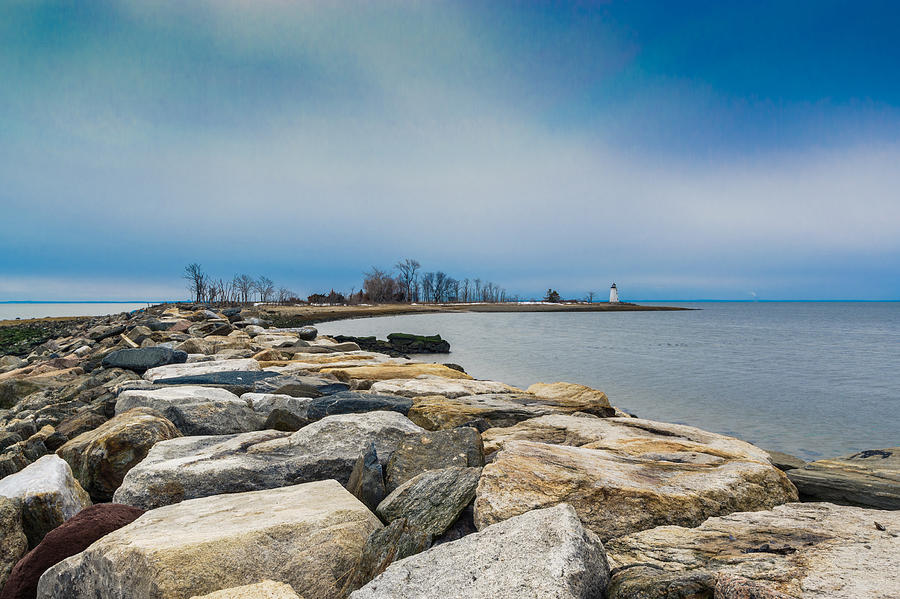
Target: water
811,379
11,310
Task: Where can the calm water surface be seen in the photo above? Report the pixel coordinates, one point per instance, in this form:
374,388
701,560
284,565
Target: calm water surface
11,310
812,379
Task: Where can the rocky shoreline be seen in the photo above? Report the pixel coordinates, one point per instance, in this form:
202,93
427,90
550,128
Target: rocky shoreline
179,453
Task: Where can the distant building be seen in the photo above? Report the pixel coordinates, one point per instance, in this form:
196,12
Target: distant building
613,294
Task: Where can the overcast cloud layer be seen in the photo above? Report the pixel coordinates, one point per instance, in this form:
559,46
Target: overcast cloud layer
708,152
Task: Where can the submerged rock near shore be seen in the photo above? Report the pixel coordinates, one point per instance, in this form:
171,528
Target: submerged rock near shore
277,462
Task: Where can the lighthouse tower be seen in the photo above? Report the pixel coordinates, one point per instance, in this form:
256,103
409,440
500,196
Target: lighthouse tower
613,294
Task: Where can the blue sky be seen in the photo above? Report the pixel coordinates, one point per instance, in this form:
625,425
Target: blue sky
681,149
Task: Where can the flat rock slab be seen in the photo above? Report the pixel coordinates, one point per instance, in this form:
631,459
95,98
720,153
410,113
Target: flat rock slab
202,466
802,550
868,479
544,553
231,378
100,458
143,358
495,409
267,589
623,475
195,368
47,493
308,536
353,402
437,385
383,372
570,393
195,410
299,385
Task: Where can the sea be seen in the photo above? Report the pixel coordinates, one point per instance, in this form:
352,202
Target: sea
13,310
813,379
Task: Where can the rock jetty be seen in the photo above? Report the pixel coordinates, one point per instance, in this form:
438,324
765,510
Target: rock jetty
184,452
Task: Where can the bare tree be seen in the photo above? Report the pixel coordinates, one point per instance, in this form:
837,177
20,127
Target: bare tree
428,287
244,286
379,285
408,269
196,278
590,296
265,288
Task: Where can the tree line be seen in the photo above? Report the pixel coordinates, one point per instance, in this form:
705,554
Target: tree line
410,284
241,289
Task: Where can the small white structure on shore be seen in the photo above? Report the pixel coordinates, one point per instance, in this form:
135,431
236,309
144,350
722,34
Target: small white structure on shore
613,294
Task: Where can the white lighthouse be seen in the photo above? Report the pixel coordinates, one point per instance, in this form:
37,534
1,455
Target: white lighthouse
613,294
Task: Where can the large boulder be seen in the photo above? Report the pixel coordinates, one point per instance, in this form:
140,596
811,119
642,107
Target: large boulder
267,589
623,475
143,358
494,409
570,394
367,479
282,412
385,546
101,458
383,372
433,500
48,495
438,385
299,385
195,410
201,466
71,537
869,478
801,550
544,553
432,450
308,536
13,542
352,402
195,368
236,381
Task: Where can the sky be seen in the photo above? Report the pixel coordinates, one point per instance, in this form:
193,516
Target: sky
684,150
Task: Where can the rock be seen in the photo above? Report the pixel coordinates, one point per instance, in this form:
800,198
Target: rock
13,543
433,450
308,536
367,480
623,475
195,410
144,358
99,333
239,381
803,550
578,397
71,537
869,478
8,438
300,386
82,421
436,385
267,589
201,466
544,553
179,370
48,494
432,500
785,461
12,391
100,458
284,420
307,333
737,587
383,372
496,409
351,402
385,546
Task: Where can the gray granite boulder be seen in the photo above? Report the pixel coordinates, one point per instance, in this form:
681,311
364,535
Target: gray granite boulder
47,494
13,542
868,479
367,479
195,410
544,553
299,385
397,540
201,466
